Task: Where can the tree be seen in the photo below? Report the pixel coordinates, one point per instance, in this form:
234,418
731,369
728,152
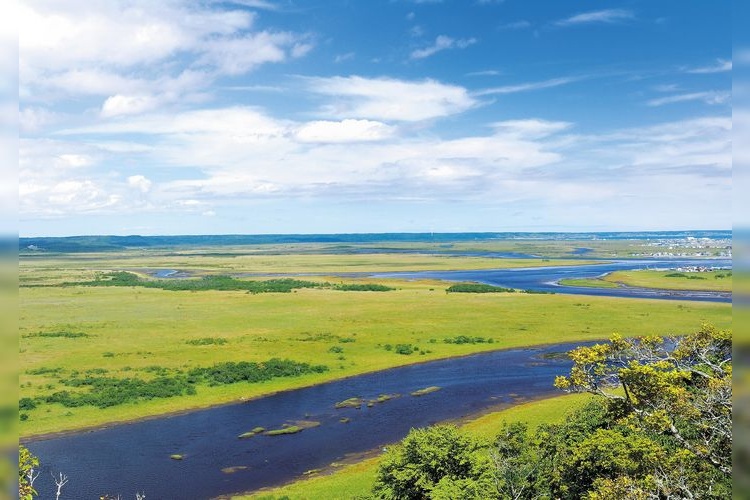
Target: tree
659,428
674,390
436,462
27,473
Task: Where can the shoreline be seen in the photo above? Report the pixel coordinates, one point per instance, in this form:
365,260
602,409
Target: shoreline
97,427
359,457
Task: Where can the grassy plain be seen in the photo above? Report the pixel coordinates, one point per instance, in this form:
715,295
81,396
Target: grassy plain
715,281
356,480
131,331
588,283
40,269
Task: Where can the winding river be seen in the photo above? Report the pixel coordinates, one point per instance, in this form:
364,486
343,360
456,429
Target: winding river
129,458
546,279
134,457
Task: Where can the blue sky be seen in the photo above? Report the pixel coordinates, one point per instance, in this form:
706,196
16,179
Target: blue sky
263,116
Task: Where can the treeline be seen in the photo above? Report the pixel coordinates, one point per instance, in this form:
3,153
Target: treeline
483,288
221,283
477,288
244,371
106,391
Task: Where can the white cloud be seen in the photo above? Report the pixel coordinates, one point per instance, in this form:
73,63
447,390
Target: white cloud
344,131
131,49
530,128
344,57
128,105
711,97
240,55
525,87
75,160
607,16
33,119
487,72
515,25
390,99
256,4
139,182
720,66
442,42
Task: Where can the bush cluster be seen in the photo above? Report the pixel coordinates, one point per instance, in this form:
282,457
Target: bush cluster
246,371
477,288
464,339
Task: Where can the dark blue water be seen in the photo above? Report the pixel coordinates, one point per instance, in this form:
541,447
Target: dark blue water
545,279
135,457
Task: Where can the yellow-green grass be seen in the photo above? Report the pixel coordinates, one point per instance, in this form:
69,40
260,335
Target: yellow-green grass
355,480
76,267
133,328
588,283
715,281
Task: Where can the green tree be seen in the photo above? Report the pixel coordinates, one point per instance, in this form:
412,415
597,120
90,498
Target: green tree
675,391
27,473
437,462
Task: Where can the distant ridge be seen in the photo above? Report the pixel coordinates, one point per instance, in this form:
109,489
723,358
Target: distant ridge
114,243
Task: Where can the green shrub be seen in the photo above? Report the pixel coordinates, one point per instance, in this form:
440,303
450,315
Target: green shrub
477,288
207,341
405,349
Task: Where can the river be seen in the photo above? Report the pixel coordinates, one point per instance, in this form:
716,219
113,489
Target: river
546,279
134,457
127,458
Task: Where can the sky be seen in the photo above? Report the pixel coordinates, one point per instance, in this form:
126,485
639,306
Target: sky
333,116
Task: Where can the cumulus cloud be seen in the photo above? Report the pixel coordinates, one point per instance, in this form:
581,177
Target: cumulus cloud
606,16
128,104
127,50
390,99
139,182
441,43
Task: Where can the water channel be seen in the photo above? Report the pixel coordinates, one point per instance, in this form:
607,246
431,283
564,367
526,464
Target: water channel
546,279
130,458
134,457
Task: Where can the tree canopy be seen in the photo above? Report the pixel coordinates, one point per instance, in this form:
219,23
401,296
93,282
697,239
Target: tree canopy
660,427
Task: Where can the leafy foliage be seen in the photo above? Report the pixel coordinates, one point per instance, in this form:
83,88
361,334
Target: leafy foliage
679,387
27,472
464,339
405,349
58,334
477,288
110,391
93,389
437,462
246,371
660,429
219,282
207,341
362,287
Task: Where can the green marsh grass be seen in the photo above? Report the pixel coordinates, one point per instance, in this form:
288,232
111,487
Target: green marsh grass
141,328
715,281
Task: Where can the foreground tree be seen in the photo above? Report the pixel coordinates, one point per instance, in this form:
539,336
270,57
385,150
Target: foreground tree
659,427
680,387
438,462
